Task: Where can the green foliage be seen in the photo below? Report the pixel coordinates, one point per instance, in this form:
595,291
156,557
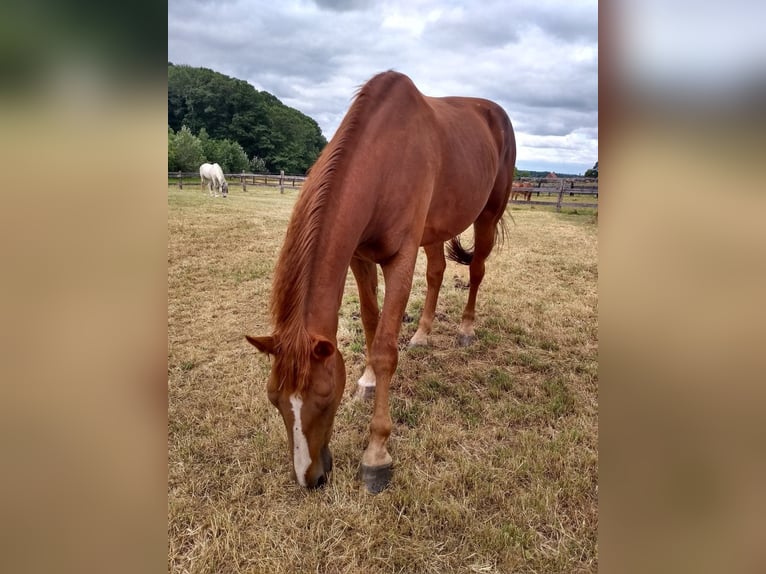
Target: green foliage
171,150
184,151
231,109
209,145
593,172
257,164
231,156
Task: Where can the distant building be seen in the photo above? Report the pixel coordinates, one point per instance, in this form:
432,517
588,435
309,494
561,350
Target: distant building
551,175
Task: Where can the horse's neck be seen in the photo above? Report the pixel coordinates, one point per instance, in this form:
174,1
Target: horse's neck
337,223
327,281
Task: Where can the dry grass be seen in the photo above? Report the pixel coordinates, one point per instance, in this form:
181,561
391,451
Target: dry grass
495,446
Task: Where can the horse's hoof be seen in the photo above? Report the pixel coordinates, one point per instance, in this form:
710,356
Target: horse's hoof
465,340
417,344
376,478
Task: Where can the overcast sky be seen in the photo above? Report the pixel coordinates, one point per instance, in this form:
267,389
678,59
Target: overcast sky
538,59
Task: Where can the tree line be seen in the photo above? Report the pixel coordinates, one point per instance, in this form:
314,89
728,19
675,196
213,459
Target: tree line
593,172
186,152
212,117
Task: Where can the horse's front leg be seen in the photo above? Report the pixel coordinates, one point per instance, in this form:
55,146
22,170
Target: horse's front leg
434,277
377,464
366,275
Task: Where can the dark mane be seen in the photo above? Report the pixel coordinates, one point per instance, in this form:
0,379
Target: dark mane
294,268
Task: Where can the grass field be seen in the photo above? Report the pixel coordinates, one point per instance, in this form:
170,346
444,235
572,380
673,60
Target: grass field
494,446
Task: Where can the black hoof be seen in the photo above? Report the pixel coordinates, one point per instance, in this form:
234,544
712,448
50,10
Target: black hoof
465,340
376,478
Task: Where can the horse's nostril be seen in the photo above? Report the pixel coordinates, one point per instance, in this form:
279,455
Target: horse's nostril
321,481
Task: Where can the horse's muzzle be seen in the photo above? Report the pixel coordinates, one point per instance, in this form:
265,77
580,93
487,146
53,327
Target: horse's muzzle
320,477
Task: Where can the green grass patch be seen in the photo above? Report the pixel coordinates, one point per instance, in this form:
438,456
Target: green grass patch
560,399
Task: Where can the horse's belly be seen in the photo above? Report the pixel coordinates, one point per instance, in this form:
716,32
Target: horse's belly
446,219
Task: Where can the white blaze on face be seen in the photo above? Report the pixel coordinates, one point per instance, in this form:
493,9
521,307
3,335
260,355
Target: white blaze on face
301,457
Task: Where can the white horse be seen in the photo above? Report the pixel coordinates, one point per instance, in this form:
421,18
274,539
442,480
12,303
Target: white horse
213,175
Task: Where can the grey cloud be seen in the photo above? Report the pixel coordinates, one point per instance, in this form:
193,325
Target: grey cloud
314,57
571,23
343,5
481,30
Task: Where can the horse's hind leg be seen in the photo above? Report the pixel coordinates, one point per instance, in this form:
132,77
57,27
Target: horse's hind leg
484,240
366,275
434,276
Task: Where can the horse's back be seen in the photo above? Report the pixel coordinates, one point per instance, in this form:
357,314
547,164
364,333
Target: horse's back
473,129
211,171
418,165
478,153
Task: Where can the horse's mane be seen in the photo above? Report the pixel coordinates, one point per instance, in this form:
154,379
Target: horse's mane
294,268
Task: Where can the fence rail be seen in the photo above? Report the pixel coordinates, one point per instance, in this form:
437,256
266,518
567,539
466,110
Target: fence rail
279,180
558,187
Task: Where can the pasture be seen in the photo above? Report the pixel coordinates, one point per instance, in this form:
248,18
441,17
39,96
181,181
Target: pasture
494,445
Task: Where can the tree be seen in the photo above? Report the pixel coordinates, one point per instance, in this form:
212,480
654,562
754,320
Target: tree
186,151
231,109
171,150
593,172
257,165
231,156
209,146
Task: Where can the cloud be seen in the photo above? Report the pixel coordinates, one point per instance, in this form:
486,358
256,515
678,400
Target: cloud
343,5
536,59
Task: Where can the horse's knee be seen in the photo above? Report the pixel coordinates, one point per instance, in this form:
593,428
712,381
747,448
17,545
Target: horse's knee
384,358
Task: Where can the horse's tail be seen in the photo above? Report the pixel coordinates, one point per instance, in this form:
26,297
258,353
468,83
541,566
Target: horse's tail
459,254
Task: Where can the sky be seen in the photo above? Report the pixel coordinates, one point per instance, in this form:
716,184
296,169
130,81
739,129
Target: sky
538,59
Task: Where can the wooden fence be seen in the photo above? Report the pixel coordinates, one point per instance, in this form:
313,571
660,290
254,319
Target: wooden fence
560,186
279,180
536,186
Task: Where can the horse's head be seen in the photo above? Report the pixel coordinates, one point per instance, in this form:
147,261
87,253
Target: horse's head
225,188
308,410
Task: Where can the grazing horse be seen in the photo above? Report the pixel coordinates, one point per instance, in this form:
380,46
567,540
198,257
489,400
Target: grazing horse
403,170
213,175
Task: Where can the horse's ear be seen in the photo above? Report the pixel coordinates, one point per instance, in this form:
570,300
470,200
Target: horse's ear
263,344
322,348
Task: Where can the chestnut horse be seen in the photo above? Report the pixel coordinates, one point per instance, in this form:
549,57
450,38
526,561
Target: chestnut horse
521,188
404,170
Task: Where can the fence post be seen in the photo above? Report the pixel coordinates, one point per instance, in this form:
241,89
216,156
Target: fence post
561,192
242,181
281,181
180,181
